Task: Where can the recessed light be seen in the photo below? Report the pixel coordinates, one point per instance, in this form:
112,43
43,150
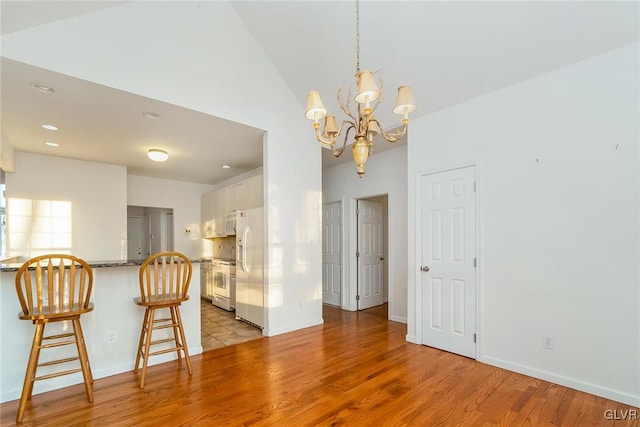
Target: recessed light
50,127
52,144
226,167
157,155
150,115
43,88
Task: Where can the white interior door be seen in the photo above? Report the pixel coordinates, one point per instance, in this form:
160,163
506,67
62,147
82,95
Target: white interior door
448,276
370,254
331,253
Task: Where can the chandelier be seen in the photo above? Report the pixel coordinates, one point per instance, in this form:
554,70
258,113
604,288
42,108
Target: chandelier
364,124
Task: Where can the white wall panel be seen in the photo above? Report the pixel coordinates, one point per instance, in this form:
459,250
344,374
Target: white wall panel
559,207
66,205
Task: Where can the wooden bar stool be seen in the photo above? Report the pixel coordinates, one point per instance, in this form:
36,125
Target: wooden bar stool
164,283
54,288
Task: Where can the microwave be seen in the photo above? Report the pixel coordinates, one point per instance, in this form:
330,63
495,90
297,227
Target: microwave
230,224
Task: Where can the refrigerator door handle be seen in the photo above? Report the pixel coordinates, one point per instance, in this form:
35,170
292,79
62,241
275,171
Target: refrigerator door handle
245,234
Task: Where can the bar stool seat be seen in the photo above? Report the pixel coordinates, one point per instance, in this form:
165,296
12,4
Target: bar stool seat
54,288
164,284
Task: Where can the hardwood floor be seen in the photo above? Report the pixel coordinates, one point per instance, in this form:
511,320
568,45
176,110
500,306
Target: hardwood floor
356,369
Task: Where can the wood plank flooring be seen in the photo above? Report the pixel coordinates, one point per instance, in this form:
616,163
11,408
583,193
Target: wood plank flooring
356,370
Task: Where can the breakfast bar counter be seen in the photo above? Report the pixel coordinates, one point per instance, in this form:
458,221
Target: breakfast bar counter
111,330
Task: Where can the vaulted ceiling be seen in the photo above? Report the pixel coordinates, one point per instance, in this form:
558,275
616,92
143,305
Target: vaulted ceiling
448,52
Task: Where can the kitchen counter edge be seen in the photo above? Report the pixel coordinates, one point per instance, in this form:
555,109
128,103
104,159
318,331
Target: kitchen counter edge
8,268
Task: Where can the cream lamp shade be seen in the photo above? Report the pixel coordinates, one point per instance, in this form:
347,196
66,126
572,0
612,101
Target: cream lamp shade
315,108
404,103
367,89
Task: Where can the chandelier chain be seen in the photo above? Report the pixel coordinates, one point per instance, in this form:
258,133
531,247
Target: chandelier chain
357,36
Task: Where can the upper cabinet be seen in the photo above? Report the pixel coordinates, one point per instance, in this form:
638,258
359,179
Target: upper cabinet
206,215
215,205
253,192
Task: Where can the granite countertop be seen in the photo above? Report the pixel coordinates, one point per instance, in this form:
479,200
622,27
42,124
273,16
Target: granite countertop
7,268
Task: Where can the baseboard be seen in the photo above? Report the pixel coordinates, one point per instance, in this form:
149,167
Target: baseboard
573,383
398,319
412,339
290,328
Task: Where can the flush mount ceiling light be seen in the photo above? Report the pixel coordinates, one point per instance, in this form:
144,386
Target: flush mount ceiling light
50,127
43,88
226,167
151,116
157,155
52,144
364,124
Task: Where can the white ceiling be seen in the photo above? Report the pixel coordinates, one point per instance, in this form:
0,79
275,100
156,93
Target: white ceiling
448,52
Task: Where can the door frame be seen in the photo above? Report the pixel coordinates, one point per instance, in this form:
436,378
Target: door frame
383,201
349,245
415,274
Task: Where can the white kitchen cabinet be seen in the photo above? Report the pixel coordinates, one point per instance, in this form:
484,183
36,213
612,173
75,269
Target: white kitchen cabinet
241,196
219,211
215,205
207,215
231,202
253,192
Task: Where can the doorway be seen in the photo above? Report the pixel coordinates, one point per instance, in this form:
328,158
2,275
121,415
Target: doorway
332,253
149,231
448,260
355,253
371,243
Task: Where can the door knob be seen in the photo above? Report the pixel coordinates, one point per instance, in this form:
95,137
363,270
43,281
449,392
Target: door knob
425,268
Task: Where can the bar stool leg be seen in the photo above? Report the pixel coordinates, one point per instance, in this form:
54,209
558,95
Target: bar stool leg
84,358
176,332
141,341
184,340
147,345
27,387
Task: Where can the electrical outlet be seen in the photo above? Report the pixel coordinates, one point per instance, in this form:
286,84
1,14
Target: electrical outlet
112,336
547,342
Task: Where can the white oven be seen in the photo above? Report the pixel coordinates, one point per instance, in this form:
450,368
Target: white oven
223,277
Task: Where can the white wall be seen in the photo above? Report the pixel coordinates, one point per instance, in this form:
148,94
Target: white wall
183,198
96,193
385,174
209,62
558,226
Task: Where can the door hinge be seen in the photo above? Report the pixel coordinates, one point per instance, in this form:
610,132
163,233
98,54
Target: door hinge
475,263
357,297
357,254
357,211
474,337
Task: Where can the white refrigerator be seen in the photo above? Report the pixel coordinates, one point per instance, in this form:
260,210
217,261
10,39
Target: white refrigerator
250,266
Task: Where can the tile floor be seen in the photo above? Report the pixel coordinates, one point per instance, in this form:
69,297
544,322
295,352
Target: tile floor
220,327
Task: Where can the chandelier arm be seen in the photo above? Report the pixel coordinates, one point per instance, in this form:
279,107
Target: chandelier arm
338,152
343,107
325,140
392,137
331,141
